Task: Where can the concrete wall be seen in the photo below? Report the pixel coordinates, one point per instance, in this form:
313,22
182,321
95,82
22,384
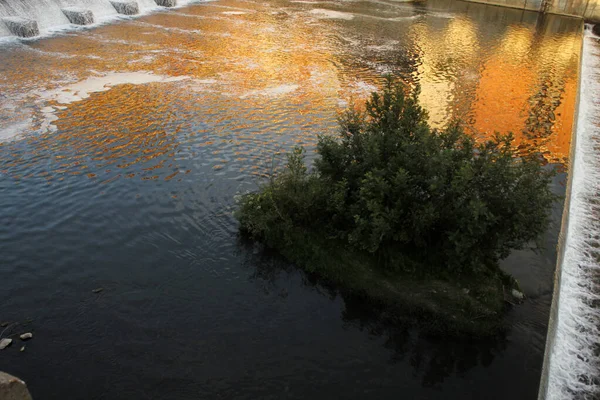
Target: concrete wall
587,9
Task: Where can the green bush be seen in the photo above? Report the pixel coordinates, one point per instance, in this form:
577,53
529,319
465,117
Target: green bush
408,197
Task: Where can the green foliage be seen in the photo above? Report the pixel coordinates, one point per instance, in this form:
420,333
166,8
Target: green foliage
407,196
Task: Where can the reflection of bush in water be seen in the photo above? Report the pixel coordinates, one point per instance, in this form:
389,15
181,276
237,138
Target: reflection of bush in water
432,358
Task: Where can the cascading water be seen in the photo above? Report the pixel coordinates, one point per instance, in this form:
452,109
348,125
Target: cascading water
572,368
50,14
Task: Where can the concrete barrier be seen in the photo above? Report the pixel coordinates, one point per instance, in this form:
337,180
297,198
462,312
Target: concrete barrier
21,27
12,388
166,3
79,16
125,7
562,237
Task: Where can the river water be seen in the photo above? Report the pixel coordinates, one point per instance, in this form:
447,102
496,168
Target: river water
123,145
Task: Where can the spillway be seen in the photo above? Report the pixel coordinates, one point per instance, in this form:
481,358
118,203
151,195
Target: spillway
54,14
572,365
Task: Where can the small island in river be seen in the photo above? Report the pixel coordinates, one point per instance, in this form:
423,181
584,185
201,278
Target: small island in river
412,219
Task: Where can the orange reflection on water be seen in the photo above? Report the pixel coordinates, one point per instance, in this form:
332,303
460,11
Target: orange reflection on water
526,84
259,82
532,96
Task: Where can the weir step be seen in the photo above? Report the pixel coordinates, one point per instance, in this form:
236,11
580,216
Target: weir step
125,7
166,3
78,16
21,27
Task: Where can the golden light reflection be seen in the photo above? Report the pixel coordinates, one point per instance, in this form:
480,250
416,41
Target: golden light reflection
259,82
525,84
448,56
533,98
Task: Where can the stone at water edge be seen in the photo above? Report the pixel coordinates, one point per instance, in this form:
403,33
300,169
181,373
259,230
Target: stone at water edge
596,29
12,388
26,336
517,295
4,343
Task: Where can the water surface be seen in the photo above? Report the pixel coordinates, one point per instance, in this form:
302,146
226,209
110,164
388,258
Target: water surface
123,146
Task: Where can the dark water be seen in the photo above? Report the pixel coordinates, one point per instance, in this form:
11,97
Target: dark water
122,150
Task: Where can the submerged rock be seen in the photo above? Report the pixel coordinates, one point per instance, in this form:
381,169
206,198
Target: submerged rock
21,27
166,3
126,7
26,336
12,388
517,295
4,343
96,291
596,29
79,16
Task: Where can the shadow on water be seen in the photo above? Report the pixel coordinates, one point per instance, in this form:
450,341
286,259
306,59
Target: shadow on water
432,359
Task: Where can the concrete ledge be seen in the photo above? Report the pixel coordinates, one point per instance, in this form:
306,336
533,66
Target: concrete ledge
21,27
79,16
166,3
125,7
12,388
562,238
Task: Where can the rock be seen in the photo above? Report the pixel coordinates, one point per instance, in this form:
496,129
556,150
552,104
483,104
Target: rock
97,290
4,343
22,349
4,324
21,27
517,295
79,16
166,3
12,388
125,7
596,29
26,336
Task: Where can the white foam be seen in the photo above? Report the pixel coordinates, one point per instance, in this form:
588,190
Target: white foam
573,366
313,2
330,14
362,88
171,28
82,90
275,91
70,93
390,45
13,131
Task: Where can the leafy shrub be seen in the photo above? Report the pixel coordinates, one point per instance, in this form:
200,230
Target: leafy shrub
408,196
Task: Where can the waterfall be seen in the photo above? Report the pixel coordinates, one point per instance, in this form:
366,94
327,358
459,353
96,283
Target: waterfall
572,365
50,14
